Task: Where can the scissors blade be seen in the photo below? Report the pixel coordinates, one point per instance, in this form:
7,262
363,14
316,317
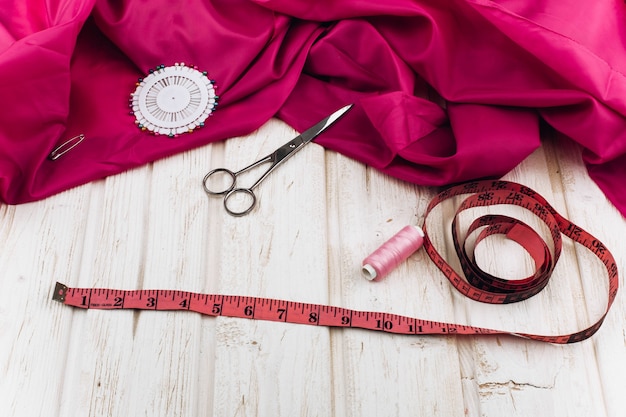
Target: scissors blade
312,132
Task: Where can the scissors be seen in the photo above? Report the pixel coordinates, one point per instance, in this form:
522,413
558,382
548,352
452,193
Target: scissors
240,201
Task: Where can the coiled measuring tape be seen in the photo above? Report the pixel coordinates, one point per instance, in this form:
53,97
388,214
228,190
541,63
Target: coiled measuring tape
477,284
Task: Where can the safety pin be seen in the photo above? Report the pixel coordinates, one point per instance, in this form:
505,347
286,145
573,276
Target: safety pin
65,147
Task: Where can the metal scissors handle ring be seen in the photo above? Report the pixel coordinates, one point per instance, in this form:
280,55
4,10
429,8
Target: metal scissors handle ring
214,173
248,194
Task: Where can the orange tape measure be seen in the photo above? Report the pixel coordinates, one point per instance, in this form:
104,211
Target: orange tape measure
474,282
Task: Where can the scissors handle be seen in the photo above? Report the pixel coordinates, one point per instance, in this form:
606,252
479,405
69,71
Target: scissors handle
223,175
239,201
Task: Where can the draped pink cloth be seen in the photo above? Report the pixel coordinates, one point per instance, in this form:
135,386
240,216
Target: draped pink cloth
444,90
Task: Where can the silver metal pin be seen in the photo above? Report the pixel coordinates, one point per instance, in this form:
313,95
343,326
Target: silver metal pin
65,147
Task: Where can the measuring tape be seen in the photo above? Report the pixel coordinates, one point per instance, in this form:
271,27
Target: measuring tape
477,284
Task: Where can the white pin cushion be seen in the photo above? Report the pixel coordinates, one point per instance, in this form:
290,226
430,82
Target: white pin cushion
173,100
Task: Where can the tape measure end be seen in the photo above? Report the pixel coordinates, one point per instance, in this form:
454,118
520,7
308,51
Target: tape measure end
59,292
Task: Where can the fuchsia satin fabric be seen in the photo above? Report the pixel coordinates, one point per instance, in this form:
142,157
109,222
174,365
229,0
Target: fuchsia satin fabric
444,90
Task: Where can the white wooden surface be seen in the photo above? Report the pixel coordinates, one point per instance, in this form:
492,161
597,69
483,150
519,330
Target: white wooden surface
319,215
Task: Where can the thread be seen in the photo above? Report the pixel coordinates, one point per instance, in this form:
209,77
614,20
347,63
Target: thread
391,253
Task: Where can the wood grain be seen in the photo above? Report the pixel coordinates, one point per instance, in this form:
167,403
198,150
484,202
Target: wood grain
318,216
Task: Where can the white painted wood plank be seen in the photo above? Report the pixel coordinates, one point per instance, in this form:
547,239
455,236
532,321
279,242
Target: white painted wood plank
319,215
170,360
101,344
588,207
38,243
526,378
383,374
277,251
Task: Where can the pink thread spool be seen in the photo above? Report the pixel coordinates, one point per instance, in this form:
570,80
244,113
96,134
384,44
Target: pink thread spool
389,255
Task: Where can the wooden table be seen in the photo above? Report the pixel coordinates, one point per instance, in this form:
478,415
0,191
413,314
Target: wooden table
318,216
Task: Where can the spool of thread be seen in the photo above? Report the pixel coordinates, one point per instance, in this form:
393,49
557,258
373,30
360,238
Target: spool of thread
391,253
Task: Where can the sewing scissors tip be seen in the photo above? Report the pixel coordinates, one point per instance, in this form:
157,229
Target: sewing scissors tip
240,201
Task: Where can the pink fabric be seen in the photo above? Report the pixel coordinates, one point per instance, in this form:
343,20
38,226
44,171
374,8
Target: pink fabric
444,91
